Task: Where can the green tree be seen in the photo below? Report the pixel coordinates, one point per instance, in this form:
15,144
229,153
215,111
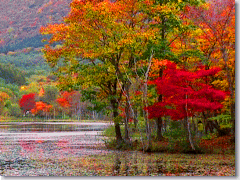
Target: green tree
14,110
50,94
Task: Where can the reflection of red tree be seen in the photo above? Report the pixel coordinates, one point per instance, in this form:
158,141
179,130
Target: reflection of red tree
28,146
27,102
62,143
2,147
39,141
64,147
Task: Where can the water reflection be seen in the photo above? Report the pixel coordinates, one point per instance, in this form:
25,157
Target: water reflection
137,164
21,142
51,127
117,166
50,140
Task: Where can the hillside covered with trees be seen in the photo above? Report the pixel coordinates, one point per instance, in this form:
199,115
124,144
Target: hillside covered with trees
20,21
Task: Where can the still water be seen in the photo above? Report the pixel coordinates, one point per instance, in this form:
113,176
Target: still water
77,149
50,140
51,127
64,135
23,141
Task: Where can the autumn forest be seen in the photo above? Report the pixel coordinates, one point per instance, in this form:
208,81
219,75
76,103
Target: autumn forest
162,72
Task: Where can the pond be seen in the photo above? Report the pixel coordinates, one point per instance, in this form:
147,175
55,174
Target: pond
52,133
77,149
40,140
51,127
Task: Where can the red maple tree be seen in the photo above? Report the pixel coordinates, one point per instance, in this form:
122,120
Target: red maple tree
27,102
185,93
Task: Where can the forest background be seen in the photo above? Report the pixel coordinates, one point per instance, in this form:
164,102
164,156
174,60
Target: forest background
162,71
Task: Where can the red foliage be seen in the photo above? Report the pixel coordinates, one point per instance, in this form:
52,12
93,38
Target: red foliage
41,106
221,143
185,93
123,113
216,19
68,99
138,93
28,146
27,102
203,72
63,102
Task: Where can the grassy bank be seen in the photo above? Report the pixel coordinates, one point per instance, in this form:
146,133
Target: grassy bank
174,141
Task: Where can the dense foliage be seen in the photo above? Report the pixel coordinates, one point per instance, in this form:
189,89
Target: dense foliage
125,42
11,74
163,71
27,60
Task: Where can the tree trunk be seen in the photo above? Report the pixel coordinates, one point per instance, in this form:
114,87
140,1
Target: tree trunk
145,103
135,113
205,122
118,133
233,116
159,119
119,138
190,135
159,128
188,127
148,133
127,111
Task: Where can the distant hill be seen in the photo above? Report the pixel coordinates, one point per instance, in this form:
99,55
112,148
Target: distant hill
11,74
20,21
29,60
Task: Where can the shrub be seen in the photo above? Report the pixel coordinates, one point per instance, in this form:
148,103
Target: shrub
220,145
14,110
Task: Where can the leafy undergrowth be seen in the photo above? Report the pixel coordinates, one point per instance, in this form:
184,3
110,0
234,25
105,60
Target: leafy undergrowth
174,142
139,164
216,145
223,144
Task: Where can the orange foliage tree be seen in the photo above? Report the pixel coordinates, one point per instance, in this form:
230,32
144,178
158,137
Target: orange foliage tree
3,97
113,34
41,109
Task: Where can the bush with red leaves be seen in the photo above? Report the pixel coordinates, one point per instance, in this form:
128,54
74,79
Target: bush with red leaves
27,102
217,144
